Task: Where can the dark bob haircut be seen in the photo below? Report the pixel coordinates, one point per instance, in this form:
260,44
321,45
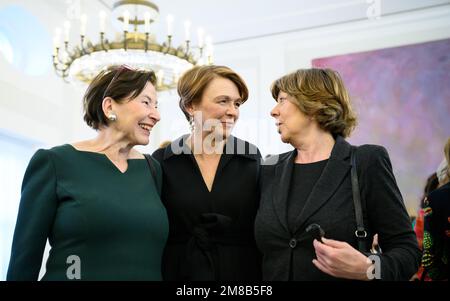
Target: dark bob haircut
121,83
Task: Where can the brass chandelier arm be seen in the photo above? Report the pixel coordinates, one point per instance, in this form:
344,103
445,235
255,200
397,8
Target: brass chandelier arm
140,44
132,42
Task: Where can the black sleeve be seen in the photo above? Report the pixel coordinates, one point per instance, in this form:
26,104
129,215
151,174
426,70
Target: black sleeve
37,209
434,241
259,161
387,215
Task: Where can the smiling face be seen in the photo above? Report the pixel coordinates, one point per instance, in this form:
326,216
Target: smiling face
219,104
290,121
136,117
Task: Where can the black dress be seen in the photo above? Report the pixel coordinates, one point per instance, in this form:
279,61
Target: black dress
211,234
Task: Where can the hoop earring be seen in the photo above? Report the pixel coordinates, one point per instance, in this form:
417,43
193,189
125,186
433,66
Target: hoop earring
112,116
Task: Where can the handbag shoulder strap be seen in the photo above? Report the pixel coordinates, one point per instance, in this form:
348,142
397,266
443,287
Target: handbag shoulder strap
360,232
152,167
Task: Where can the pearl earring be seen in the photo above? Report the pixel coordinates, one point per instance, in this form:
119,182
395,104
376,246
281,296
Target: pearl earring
112,117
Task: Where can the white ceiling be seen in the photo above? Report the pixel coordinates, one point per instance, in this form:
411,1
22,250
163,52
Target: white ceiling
232,20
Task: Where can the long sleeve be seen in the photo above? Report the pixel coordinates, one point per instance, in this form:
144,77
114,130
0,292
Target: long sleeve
388,217
35,218
435,241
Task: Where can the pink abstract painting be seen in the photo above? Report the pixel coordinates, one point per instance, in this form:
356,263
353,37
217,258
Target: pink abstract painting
402,98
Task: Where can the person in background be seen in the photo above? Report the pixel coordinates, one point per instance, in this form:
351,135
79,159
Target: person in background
436,237
96,201
431,184
306,224
164,144
210,183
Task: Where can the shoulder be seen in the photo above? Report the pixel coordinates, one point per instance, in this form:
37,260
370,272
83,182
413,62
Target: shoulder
40,156
370,154
243,148
158,154
371,150
51,153
271,161
175,148
44,161
153,160
440,196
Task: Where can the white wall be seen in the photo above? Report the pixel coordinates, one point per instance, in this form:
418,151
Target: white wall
261,61
42,108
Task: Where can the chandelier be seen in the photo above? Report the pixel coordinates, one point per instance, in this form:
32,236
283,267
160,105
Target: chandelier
138,48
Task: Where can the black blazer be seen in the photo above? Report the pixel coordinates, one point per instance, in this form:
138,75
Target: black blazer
289,255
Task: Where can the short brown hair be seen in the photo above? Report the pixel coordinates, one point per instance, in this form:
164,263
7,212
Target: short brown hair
320,93
194,81
117,82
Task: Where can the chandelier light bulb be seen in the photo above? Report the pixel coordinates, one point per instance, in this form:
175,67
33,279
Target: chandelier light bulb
187,30
102,17
83,22
138,48
147,22
169,24
66,31
57,37
126,20
200,34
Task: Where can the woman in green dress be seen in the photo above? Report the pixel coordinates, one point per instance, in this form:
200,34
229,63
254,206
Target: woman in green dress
96,201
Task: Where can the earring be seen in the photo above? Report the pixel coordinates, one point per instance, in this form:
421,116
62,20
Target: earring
112,116
191,123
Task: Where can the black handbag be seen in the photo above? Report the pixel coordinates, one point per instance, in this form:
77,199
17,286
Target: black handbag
360,233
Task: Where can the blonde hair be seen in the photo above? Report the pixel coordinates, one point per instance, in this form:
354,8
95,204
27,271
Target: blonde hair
164,144
443,170
320,93
447,157
447,151
194,81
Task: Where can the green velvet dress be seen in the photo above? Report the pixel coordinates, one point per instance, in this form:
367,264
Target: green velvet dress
113,222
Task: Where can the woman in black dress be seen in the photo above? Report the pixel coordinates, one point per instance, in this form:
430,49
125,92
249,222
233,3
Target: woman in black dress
210,183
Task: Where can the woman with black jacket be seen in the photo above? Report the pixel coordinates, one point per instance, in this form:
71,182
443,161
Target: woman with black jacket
306,225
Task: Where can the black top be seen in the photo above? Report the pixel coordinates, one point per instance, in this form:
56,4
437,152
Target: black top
113,224
330,205
211,234
305,177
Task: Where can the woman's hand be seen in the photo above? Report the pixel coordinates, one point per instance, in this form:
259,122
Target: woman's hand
341,260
